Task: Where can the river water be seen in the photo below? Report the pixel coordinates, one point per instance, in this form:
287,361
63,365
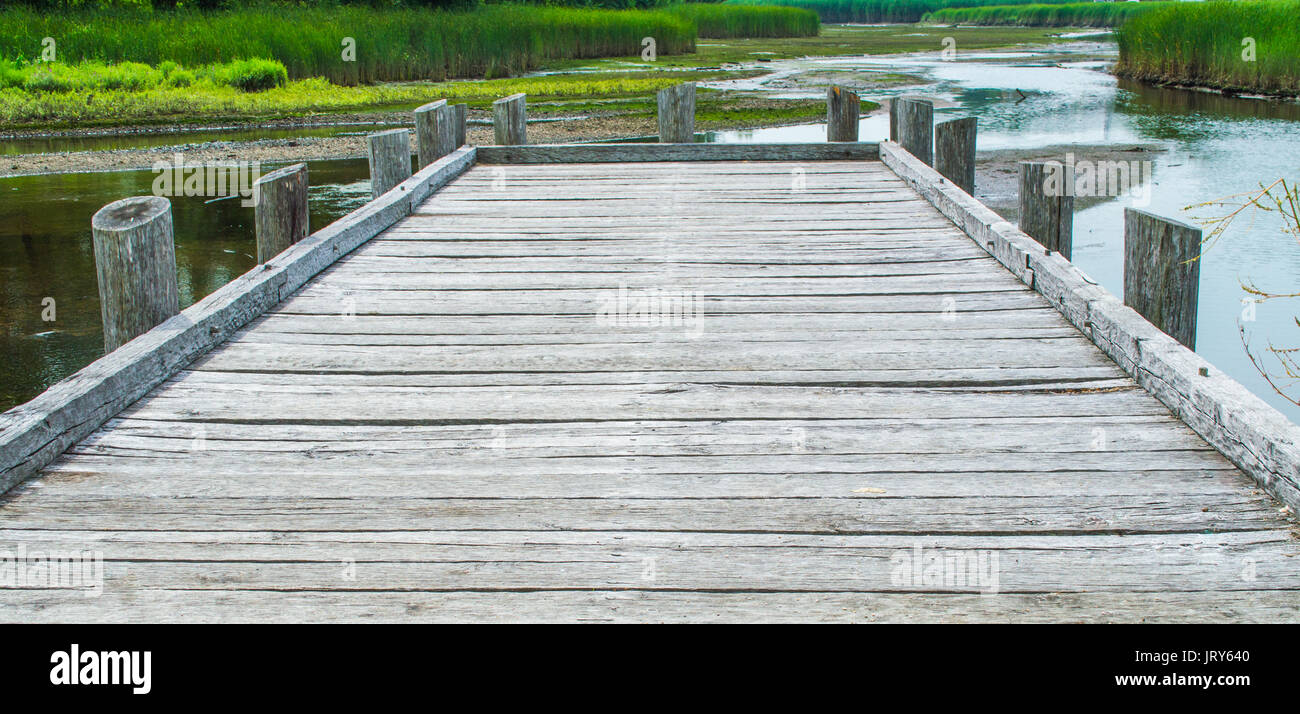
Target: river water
1213,146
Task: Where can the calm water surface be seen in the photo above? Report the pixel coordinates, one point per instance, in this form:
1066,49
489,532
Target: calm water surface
46,252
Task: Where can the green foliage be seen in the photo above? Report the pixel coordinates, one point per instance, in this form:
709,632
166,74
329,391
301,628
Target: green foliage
57,77
880,10
736,21
251,75
1206,44
391,44
1074,14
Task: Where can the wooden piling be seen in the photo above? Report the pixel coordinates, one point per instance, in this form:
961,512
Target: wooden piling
916,128
954,152
135,264
390,160
459,119
677,114
280,212
1047,205
1162,272
842,110
510,120
435,131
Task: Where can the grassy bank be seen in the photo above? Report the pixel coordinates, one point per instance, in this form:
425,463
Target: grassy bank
390,44
1204,44
726,21
879,10
1076,14
207,100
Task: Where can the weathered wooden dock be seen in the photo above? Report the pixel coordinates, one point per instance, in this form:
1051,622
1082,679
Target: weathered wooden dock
458,404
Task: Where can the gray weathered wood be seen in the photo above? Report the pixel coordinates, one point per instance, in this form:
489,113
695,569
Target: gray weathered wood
842,110
280,215
456,407
459,118
1253,435
510,120
676,114
35,433
135,263
954,152
435,131
390,160
1162,272
916,128
1047,206
605,153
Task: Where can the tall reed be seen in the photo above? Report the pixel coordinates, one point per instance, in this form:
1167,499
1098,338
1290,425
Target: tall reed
1074,14
717,20
880,10
390,44
1251,45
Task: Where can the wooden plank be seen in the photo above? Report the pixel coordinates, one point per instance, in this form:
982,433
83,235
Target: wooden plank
620,153
624,605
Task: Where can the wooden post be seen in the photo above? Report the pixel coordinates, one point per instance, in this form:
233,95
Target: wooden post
390,160
510,120
280,212
435,132
135,263
1162,272
842,110
1047,205
677,114
916,128
954,152
458,123
893,117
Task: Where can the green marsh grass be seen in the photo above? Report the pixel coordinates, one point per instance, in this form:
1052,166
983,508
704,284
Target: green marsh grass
878,10
1074,14
725,21
391,44
1205,44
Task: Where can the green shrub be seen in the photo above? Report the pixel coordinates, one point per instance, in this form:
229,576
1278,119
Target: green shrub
251,75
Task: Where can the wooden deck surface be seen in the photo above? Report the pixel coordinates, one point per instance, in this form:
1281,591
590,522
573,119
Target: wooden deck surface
449,425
